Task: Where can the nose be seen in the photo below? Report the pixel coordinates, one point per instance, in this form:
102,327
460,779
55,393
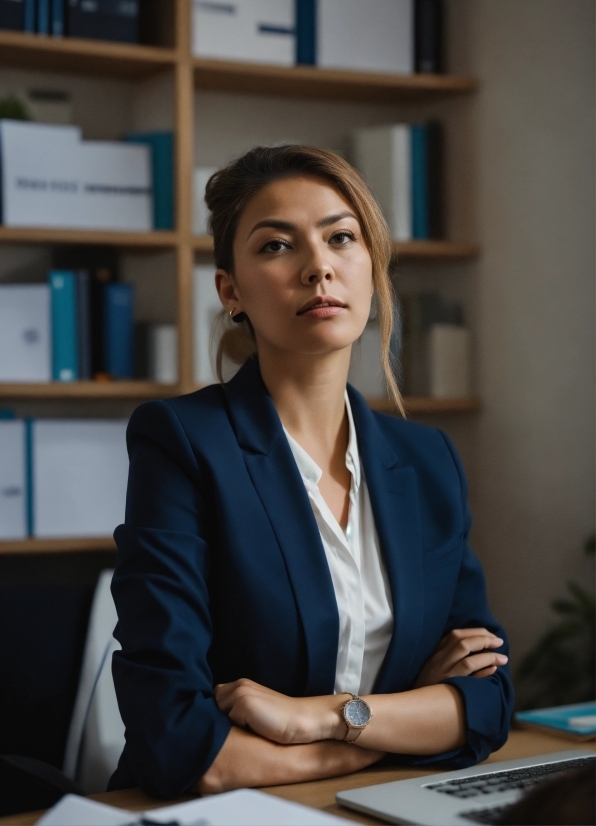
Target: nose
316,268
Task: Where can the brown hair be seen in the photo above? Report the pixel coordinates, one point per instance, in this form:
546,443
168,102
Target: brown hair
229,190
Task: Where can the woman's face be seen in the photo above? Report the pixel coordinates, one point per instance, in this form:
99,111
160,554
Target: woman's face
302,272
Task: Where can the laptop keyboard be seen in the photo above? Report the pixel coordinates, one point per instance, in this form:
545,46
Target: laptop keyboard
492,815
504,781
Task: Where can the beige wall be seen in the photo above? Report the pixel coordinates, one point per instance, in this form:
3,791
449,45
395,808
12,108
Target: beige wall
533,476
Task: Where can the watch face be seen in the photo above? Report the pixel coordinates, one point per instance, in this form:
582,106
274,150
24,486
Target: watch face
357,713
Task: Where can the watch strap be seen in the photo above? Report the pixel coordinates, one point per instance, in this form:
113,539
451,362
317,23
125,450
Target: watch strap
352,734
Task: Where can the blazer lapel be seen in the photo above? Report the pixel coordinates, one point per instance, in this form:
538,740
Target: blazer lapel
394,500
278,483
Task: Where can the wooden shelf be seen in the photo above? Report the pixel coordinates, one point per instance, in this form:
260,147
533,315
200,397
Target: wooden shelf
88,390
405,250
428,405
46,546
79,56
49,235
313,82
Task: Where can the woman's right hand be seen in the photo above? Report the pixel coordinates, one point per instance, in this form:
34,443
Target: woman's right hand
462,652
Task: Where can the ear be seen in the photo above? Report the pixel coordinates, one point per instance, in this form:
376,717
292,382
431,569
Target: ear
226,289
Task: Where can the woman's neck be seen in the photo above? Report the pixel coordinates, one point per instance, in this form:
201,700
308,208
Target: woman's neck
308,393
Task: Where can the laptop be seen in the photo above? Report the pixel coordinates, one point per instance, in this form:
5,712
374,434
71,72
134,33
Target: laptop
480,794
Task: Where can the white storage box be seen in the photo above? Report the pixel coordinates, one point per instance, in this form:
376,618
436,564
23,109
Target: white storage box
366,35
52,178
259,31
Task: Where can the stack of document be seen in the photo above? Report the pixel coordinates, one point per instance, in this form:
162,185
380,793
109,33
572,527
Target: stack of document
51,177
243,807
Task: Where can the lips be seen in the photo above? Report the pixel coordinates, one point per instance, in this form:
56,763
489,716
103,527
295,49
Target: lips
322,302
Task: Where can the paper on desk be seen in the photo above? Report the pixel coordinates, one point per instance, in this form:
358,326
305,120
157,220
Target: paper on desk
72,810
243,807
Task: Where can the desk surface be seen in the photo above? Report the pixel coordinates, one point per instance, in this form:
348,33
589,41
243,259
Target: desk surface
321,793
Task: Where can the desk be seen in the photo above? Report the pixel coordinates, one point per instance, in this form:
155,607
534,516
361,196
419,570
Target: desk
321,793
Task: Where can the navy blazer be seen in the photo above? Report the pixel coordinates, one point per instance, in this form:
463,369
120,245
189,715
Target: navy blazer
221,574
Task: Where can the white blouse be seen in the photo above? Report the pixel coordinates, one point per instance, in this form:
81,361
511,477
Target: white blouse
357,572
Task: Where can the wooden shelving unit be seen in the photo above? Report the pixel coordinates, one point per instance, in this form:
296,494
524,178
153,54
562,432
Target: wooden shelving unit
172,54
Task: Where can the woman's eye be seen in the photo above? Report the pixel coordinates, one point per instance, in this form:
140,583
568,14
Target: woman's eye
342,237
276,245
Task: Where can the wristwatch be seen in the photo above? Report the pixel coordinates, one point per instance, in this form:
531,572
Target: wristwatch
356,715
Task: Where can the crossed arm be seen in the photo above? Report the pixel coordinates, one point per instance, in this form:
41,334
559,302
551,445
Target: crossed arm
278,739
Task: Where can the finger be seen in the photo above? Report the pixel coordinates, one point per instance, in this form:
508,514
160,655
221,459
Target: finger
485,672
464,633
463,648
224,696
476,662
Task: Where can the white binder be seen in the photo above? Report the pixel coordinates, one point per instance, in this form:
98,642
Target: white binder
25,342
79,476
383,156
13,482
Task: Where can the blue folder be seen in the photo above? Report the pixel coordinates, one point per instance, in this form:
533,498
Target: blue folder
118,320
420,205
63,298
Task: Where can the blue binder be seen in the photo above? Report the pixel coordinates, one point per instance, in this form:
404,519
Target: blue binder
57,18
420,205
43,16
30,16
119,330
306,34
63,299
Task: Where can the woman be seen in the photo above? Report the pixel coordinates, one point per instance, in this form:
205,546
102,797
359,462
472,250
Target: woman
285,549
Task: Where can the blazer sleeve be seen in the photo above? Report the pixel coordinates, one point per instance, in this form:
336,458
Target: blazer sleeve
164,685
488,701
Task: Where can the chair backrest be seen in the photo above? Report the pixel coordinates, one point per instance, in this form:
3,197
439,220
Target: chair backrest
96,734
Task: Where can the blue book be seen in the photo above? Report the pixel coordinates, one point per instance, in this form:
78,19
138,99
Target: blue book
420,211
63,300
84,324
29,475
162,167
30,16
306,34
57,18
43,16
118,337
577,721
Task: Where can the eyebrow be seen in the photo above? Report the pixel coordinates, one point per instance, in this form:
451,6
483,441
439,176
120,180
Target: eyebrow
273,223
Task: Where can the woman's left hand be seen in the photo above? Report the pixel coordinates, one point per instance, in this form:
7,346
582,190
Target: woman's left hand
282,719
